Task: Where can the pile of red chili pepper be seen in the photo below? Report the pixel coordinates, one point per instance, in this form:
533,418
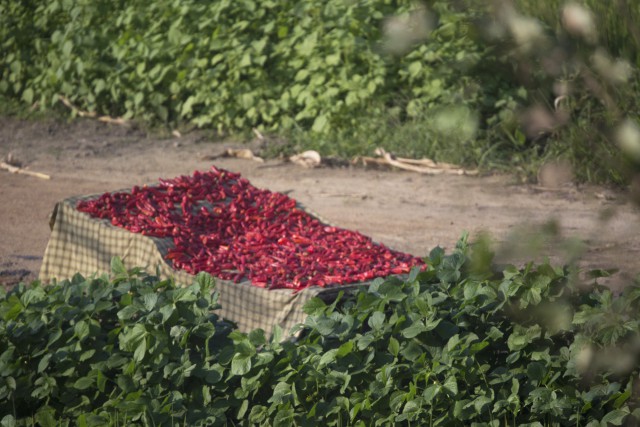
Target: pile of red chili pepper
223,225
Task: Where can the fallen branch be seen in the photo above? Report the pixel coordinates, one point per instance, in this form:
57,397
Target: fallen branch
15,169
238,153
92,114
423,166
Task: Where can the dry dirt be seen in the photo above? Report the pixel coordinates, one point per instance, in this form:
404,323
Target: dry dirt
403,210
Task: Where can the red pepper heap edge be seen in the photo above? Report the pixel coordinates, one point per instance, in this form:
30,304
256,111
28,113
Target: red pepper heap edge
223,225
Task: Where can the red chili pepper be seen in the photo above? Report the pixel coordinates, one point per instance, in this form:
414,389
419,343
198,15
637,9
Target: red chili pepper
221,224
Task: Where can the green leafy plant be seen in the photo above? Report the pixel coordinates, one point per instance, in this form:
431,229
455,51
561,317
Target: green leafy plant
473,83
322,67
98,351
453,345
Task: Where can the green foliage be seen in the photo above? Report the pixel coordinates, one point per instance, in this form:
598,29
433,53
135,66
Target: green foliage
454,345
323,67
99,351
449,80
228,65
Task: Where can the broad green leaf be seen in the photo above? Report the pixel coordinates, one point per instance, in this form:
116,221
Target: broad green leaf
240,364
495,333
67,47
412,351
177,331
615,417
453,342
245,61
308,45
412,406
451,385
283,31
325,326
333,59
257,337
315,306
138,98
394,346
414,330
283,418
27,95
520,338
396,399
431,392
166,311
345,349
149,301
376,321
365,341
320,124
280,391
517,342
536,371
245,348
622,399
45,417
128,312
481,403
131,338
33,295
258,414
328,357
206,283
243,409
44,362
81,330
86,355
117,267
83,383
276,335
140,351
415,68
413,274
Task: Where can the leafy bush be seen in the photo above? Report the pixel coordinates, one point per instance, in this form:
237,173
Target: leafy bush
227,65
99,351
449,80
454,345
318,66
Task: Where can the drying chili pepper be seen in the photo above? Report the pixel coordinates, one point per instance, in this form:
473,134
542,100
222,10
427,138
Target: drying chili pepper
221,224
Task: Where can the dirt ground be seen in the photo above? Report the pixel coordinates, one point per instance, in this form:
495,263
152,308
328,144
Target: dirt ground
404,210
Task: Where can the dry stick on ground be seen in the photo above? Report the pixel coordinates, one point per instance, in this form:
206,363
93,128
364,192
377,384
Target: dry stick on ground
91,114
14,169
424,166
238,153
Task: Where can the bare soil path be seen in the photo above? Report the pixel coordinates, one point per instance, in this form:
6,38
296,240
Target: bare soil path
403,210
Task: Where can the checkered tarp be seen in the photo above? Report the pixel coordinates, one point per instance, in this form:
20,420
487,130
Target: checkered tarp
85,245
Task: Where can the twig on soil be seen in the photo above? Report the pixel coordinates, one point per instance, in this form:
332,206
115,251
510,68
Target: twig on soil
258,134
92,114
238,153
424,166
14,169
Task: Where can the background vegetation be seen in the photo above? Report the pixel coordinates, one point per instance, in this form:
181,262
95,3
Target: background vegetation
456,345
494,84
